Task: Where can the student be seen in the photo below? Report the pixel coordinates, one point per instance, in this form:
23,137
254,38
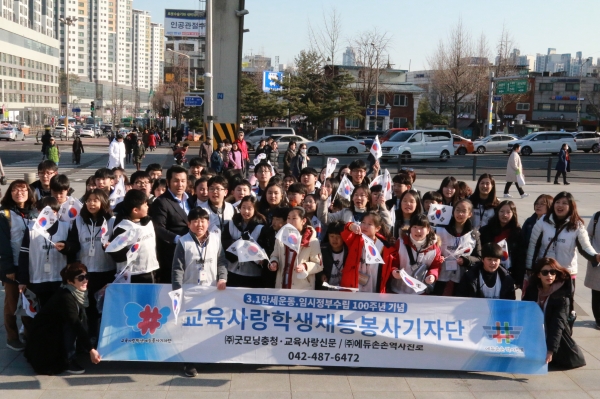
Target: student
410,204
400,183
288,180
484,200
274,198
41,187
592,276
487,279
135,211
300,161
241,188
200,193
77,149
288,157
505,226
236,158
419,256
263,174
84,245
377,199
40,260
216,159
308,177
334,252
463,191
273,155
59,188
141,180
431,198
266,240
559,235
448,190
296,193
357,273
358,173
246,224
540,209
360,205
191,186
90,183
53,152
196,167
297,270
220,212
155,171
159,187
310,206
460,246
139,153
260,149
104,178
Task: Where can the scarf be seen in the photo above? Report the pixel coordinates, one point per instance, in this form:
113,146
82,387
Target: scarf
418,244
544,294
80,296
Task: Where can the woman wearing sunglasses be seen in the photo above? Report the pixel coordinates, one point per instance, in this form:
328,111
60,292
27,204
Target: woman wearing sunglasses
61,325
551,287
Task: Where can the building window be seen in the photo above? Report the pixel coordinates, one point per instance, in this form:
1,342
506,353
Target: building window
546,86
572,87
352,123
545,107
400,100
596,87
381,99
567,107
522,106
400,122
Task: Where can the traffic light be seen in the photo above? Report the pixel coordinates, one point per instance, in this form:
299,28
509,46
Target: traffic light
92,108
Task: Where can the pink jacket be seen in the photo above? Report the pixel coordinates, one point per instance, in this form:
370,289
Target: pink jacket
235,159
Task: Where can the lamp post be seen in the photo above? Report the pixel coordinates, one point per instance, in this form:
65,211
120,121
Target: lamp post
208,76
189,66
68,21
376,83
579,92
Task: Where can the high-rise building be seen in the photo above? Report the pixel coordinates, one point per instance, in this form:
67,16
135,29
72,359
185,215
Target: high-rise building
157,58
349,57
142,43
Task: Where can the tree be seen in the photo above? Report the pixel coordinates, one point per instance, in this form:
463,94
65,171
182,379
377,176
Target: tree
455,72
326,40
264,106
426,117
593,108
177,86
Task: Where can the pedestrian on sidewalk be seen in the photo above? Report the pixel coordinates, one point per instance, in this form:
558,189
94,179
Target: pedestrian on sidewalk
77,150
53,152
564,164
139,153
514,169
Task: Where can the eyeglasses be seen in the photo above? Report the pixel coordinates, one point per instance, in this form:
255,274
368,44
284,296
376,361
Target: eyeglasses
18,190
215,189
141,183
546,272
407,169
47,174
81,277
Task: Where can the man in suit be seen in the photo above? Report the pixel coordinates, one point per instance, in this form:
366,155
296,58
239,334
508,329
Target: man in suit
169,216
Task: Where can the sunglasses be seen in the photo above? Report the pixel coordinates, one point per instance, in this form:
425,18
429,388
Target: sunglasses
81,277
546,272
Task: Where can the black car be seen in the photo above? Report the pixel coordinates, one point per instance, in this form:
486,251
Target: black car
368,136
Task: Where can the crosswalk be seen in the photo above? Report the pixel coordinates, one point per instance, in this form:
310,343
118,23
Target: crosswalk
19,169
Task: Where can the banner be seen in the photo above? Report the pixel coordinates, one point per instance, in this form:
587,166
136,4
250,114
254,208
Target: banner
322,328
184,23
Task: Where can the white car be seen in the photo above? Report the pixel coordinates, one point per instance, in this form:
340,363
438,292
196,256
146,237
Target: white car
495,142
544,142
87,132
283,141
588,141
419,144
61,131
11,134
336,144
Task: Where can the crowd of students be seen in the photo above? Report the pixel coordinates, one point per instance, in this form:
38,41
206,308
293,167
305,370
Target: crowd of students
187,221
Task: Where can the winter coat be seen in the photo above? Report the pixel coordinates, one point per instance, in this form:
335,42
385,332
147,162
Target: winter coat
356,244
564,162
78,147
236,160
216,161
429,256
151,140
450,241
44,348
7,263
298,163
53,153
481,216
592,276
287,161
310,254
527,228
516,249
345,215
46,141
327,255
139,151
116,154
243,147
274,159
513,167
471,283
205,152
564,248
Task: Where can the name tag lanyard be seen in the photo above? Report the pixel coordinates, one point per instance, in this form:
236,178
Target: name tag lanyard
200,262
92,250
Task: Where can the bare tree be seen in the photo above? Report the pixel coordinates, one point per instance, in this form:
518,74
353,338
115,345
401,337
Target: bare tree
177,86
454,66
371,49
325,40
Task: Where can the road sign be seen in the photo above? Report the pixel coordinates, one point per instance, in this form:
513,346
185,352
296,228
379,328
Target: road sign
271,80
193,101
380,112
524,72
497,99
512,86
220,96
76,110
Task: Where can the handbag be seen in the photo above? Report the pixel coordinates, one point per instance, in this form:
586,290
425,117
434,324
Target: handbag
521,179
3,181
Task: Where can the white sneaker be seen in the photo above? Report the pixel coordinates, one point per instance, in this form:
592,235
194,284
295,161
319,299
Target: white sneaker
525,195
507,196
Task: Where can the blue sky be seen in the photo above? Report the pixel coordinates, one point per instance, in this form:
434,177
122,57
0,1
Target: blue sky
280,28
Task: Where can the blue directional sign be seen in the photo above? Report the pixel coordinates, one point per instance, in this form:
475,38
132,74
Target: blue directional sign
497,99
76,110
193,101
271,81
220,96
380,112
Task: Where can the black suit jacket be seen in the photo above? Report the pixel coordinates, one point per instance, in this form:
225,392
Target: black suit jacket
169,221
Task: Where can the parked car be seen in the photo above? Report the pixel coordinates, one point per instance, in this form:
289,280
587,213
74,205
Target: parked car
336,144
588,141
11,134
419,144
61,131
544,142
390,132
283,141
368,136
261,133
462,146
87,132
495,142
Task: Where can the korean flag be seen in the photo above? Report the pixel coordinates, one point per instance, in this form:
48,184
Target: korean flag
376,148
123,240
290,237
118,194
247,251
372,255
346,188
439,214
412,283
104,236
176,301
331,164
69,210
45,220
505,260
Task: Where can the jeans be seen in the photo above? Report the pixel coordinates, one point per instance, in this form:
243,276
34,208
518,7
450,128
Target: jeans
596,305
558,173
507,187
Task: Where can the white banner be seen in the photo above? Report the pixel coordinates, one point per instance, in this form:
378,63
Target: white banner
321,328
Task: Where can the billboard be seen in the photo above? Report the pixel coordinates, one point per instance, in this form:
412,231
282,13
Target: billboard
184,23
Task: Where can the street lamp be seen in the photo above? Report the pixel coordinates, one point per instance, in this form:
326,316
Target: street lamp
376,83
189,65
579,92
68,21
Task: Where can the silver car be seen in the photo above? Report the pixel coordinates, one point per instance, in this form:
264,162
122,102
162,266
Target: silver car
495,142
588,141
11,134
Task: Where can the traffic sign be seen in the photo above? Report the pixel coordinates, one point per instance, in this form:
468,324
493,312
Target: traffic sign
193,101
497,99
380,112
512,86
76,110
220,96
271,80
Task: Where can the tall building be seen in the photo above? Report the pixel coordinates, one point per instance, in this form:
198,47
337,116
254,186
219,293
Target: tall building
142,43
349,57
157,58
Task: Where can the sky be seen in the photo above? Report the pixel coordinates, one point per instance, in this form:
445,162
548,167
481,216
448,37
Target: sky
280,28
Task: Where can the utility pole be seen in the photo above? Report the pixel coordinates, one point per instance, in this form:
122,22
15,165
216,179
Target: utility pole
67,22
490,124
579,92
376,83
208,78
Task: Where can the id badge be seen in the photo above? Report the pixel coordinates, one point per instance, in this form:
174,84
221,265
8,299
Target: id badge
92,251
451,264
47,267
414,267
363,278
